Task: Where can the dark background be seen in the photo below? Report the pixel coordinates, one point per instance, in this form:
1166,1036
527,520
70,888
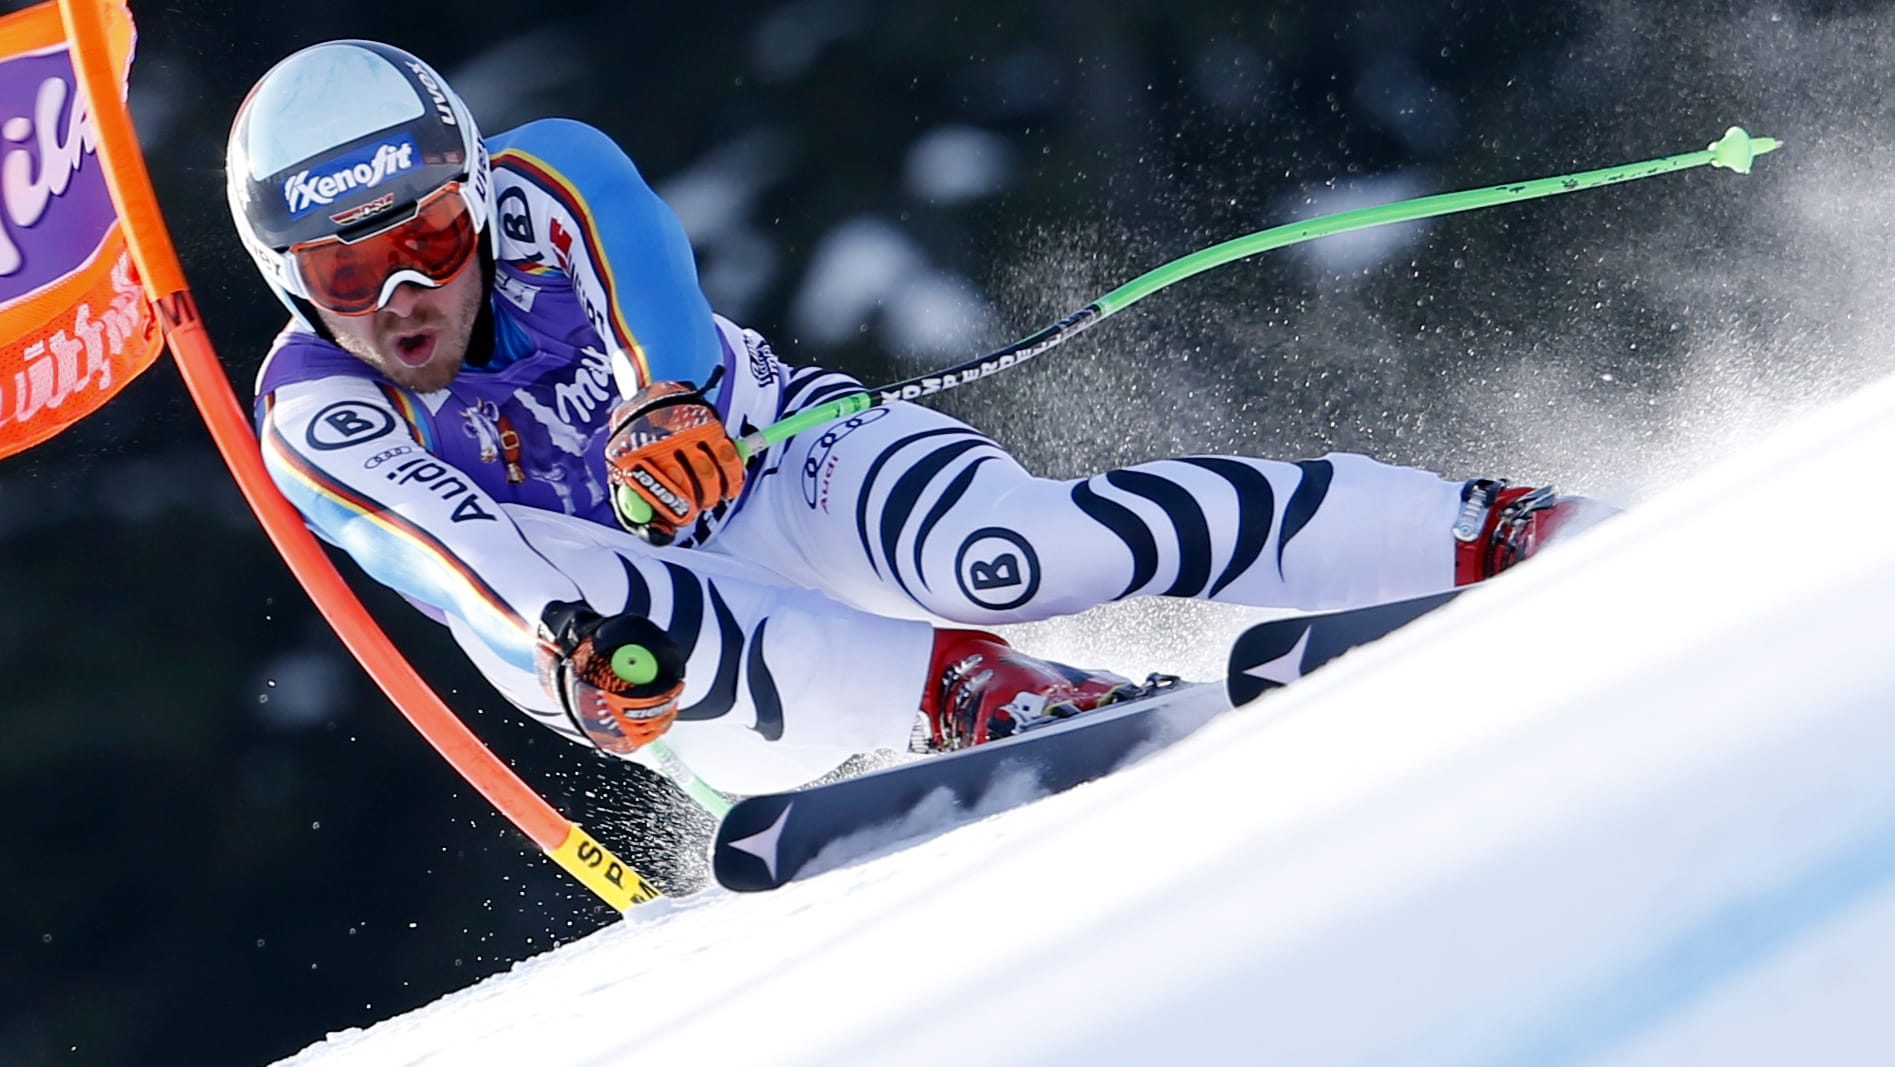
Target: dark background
218,842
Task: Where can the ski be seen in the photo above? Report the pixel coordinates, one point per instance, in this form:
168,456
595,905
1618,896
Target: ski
767,840
1273,654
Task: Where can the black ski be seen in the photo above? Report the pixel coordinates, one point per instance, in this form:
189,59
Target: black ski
767,840
771,839
1275,653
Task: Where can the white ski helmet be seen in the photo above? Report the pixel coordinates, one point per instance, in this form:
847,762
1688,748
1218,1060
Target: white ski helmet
340,146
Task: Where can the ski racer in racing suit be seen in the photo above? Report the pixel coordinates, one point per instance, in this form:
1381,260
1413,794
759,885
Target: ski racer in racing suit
504,395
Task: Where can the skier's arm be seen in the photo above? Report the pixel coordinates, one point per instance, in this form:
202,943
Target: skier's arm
343,453
568,198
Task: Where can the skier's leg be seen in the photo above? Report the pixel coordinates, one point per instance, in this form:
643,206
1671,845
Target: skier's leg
781,683
903,509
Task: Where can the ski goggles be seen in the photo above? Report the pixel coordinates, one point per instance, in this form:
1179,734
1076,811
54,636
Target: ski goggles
356,276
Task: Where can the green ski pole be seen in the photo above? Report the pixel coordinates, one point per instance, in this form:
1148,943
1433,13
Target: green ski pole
1734,151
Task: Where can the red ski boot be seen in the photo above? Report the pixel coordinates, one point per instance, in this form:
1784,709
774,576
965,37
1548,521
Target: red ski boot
1500,526
981,689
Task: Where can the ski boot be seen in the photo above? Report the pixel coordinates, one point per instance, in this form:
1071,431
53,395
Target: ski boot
981,689
1500,525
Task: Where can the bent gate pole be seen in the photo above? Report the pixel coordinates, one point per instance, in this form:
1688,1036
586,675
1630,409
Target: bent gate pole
162,275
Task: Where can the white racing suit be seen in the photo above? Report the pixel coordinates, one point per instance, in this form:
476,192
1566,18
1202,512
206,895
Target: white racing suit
803,608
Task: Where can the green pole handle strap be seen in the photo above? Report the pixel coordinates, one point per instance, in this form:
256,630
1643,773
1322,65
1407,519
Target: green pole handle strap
1735,151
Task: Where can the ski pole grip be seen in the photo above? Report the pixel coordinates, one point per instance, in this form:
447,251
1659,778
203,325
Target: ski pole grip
635,664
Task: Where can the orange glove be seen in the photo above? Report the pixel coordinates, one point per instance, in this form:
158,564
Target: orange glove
619,678
668,461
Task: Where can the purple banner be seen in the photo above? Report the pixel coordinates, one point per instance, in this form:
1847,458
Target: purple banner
54,207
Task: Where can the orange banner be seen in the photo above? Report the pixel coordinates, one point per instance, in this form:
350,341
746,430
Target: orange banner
75,326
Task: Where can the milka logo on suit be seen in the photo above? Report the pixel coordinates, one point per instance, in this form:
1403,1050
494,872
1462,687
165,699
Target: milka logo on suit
569,413
591,391
365,168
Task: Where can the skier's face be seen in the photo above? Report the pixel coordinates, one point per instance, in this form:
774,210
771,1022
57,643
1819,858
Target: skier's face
419,338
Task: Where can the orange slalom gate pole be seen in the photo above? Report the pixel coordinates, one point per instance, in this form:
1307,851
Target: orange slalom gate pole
570,846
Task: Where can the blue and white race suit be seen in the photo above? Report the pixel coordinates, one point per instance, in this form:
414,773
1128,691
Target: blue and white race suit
804,607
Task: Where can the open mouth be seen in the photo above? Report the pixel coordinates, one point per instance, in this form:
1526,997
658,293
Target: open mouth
415,349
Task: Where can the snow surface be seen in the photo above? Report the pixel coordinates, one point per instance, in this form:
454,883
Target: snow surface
1629,804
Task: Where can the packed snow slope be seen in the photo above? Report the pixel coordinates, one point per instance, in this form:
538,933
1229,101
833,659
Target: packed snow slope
1633,803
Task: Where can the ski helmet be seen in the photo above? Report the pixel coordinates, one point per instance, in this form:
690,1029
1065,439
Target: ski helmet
352,167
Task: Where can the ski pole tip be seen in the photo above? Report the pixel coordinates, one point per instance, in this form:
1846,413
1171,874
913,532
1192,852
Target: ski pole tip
1737,148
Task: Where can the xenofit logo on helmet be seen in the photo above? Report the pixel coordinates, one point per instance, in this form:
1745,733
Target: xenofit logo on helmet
365,168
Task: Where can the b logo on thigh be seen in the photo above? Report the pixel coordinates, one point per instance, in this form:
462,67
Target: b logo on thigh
997,569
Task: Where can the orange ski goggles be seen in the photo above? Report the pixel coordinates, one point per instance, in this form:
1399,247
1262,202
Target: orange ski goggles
355,276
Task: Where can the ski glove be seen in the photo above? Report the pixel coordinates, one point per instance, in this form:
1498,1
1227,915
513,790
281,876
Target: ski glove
669,461
618,678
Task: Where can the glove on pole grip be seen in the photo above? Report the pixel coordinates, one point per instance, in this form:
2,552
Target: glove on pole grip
617,677
669,460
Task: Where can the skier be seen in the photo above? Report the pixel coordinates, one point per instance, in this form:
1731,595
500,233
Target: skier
445,405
